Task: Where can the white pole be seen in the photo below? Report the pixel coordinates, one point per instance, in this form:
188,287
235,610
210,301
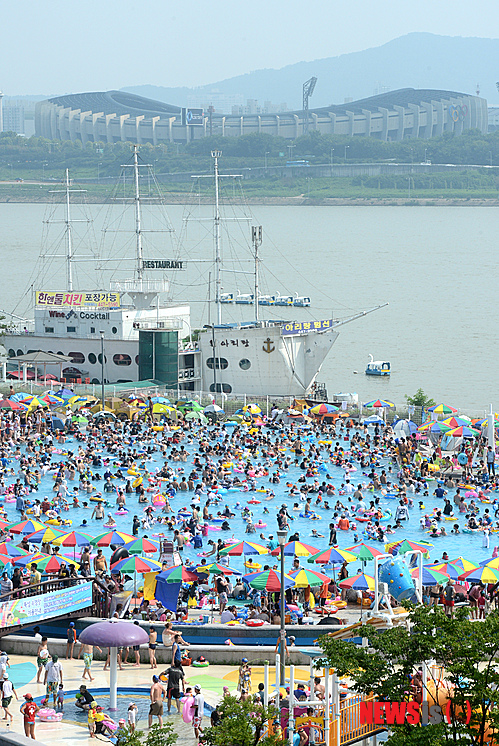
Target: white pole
266,685
327,711
113,679
490,428
291,721
420,579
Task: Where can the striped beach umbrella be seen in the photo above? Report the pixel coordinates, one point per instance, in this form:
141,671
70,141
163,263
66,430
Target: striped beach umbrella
136,564
463,563
379,404
295,549
268,580
142,545
45,534
463,432
51,563
359,582
243,547
178,574
112,537
24,528
406,545
73,539
322,409
481,575
214,569
441,409
430,576
364,552
5,560
305,578
434,426
9,549
333,556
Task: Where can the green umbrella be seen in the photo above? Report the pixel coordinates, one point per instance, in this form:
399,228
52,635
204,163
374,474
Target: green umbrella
79,420
195,414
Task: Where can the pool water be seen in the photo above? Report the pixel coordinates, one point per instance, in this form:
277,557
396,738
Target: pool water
466,545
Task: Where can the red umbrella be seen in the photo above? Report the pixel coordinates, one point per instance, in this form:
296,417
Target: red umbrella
9,404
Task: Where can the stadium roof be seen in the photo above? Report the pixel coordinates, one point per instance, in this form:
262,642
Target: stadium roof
400,97
116,102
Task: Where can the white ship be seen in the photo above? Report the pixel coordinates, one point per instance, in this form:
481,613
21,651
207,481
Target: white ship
144,338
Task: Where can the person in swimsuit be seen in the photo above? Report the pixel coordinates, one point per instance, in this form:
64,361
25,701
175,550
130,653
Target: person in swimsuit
88,656
153,636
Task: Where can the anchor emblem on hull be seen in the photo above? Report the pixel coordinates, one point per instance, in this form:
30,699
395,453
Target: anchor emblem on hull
268,345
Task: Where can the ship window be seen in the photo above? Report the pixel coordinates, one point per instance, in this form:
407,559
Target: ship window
122,359
99,357
114,330
20,352
92,358
12,353
245,364
60,353
95,380
49,330
92,330
71,329
221,364
77,357
221,387
136,359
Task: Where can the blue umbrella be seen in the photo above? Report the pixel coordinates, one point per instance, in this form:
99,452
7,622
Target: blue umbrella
160,400
64,393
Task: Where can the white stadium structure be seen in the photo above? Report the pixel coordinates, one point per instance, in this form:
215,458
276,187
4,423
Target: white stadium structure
114,116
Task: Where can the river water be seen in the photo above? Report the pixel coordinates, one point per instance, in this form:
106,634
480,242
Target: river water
435,266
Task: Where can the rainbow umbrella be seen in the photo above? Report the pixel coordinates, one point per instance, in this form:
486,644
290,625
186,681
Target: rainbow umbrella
9,548
178,574
10,404
25,527
463,432
378,404
44,535
481,575
51,563
434,426
268,580
4,561
112,537
295,549
252,408
430,576
364,552
493,563
27,559
441,409
136,564
359,582
322,409
447,569
406,545
457,421
304,578
214,569
333,556
142,546
243,547
73,539
464,564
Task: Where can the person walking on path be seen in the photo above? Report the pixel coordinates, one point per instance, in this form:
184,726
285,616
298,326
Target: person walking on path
42,658
8,690
153,636
157,695
53,677
29,710
88,656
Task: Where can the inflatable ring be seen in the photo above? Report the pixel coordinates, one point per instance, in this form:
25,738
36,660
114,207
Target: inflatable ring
96,499
200,664
340,604
256,622
158,428
253,565
137,482
254,502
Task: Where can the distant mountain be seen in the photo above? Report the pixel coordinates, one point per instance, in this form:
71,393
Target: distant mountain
417,60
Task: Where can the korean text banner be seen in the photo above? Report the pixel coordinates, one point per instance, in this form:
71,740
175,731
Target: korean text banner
303,327
37,608
51,299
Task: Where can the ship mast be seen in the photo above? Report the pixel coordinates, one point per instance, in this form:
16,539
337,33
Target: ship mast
218,258
69,237
138,215
256,235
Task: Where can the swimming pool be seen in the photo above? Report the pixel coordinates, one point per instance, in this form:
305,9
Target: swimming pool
468,545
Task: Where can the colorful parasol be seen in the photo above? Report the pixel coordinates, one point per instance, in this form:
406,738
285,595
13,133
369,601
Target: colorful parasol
243,547
379,404
44,535
25,527
430,576
142,545
178,574
406,545
481,575
51,563
73,539
333,556
304,578
434,426
364,552
215,569
9,548
268,580
136,564
451,570
112,537
463,563
464,432
322,409
441,409
359,582
295,549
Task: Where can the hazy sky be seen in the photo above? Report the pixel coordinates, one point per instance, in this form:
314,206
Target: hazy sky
56,46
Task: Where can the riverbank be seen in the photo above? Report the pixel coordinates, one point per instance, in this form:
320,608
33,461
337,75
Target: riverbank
40,193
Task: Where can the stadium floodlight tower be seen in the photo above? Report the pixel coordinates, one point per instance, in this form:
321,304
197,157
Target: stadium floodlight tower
308,89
